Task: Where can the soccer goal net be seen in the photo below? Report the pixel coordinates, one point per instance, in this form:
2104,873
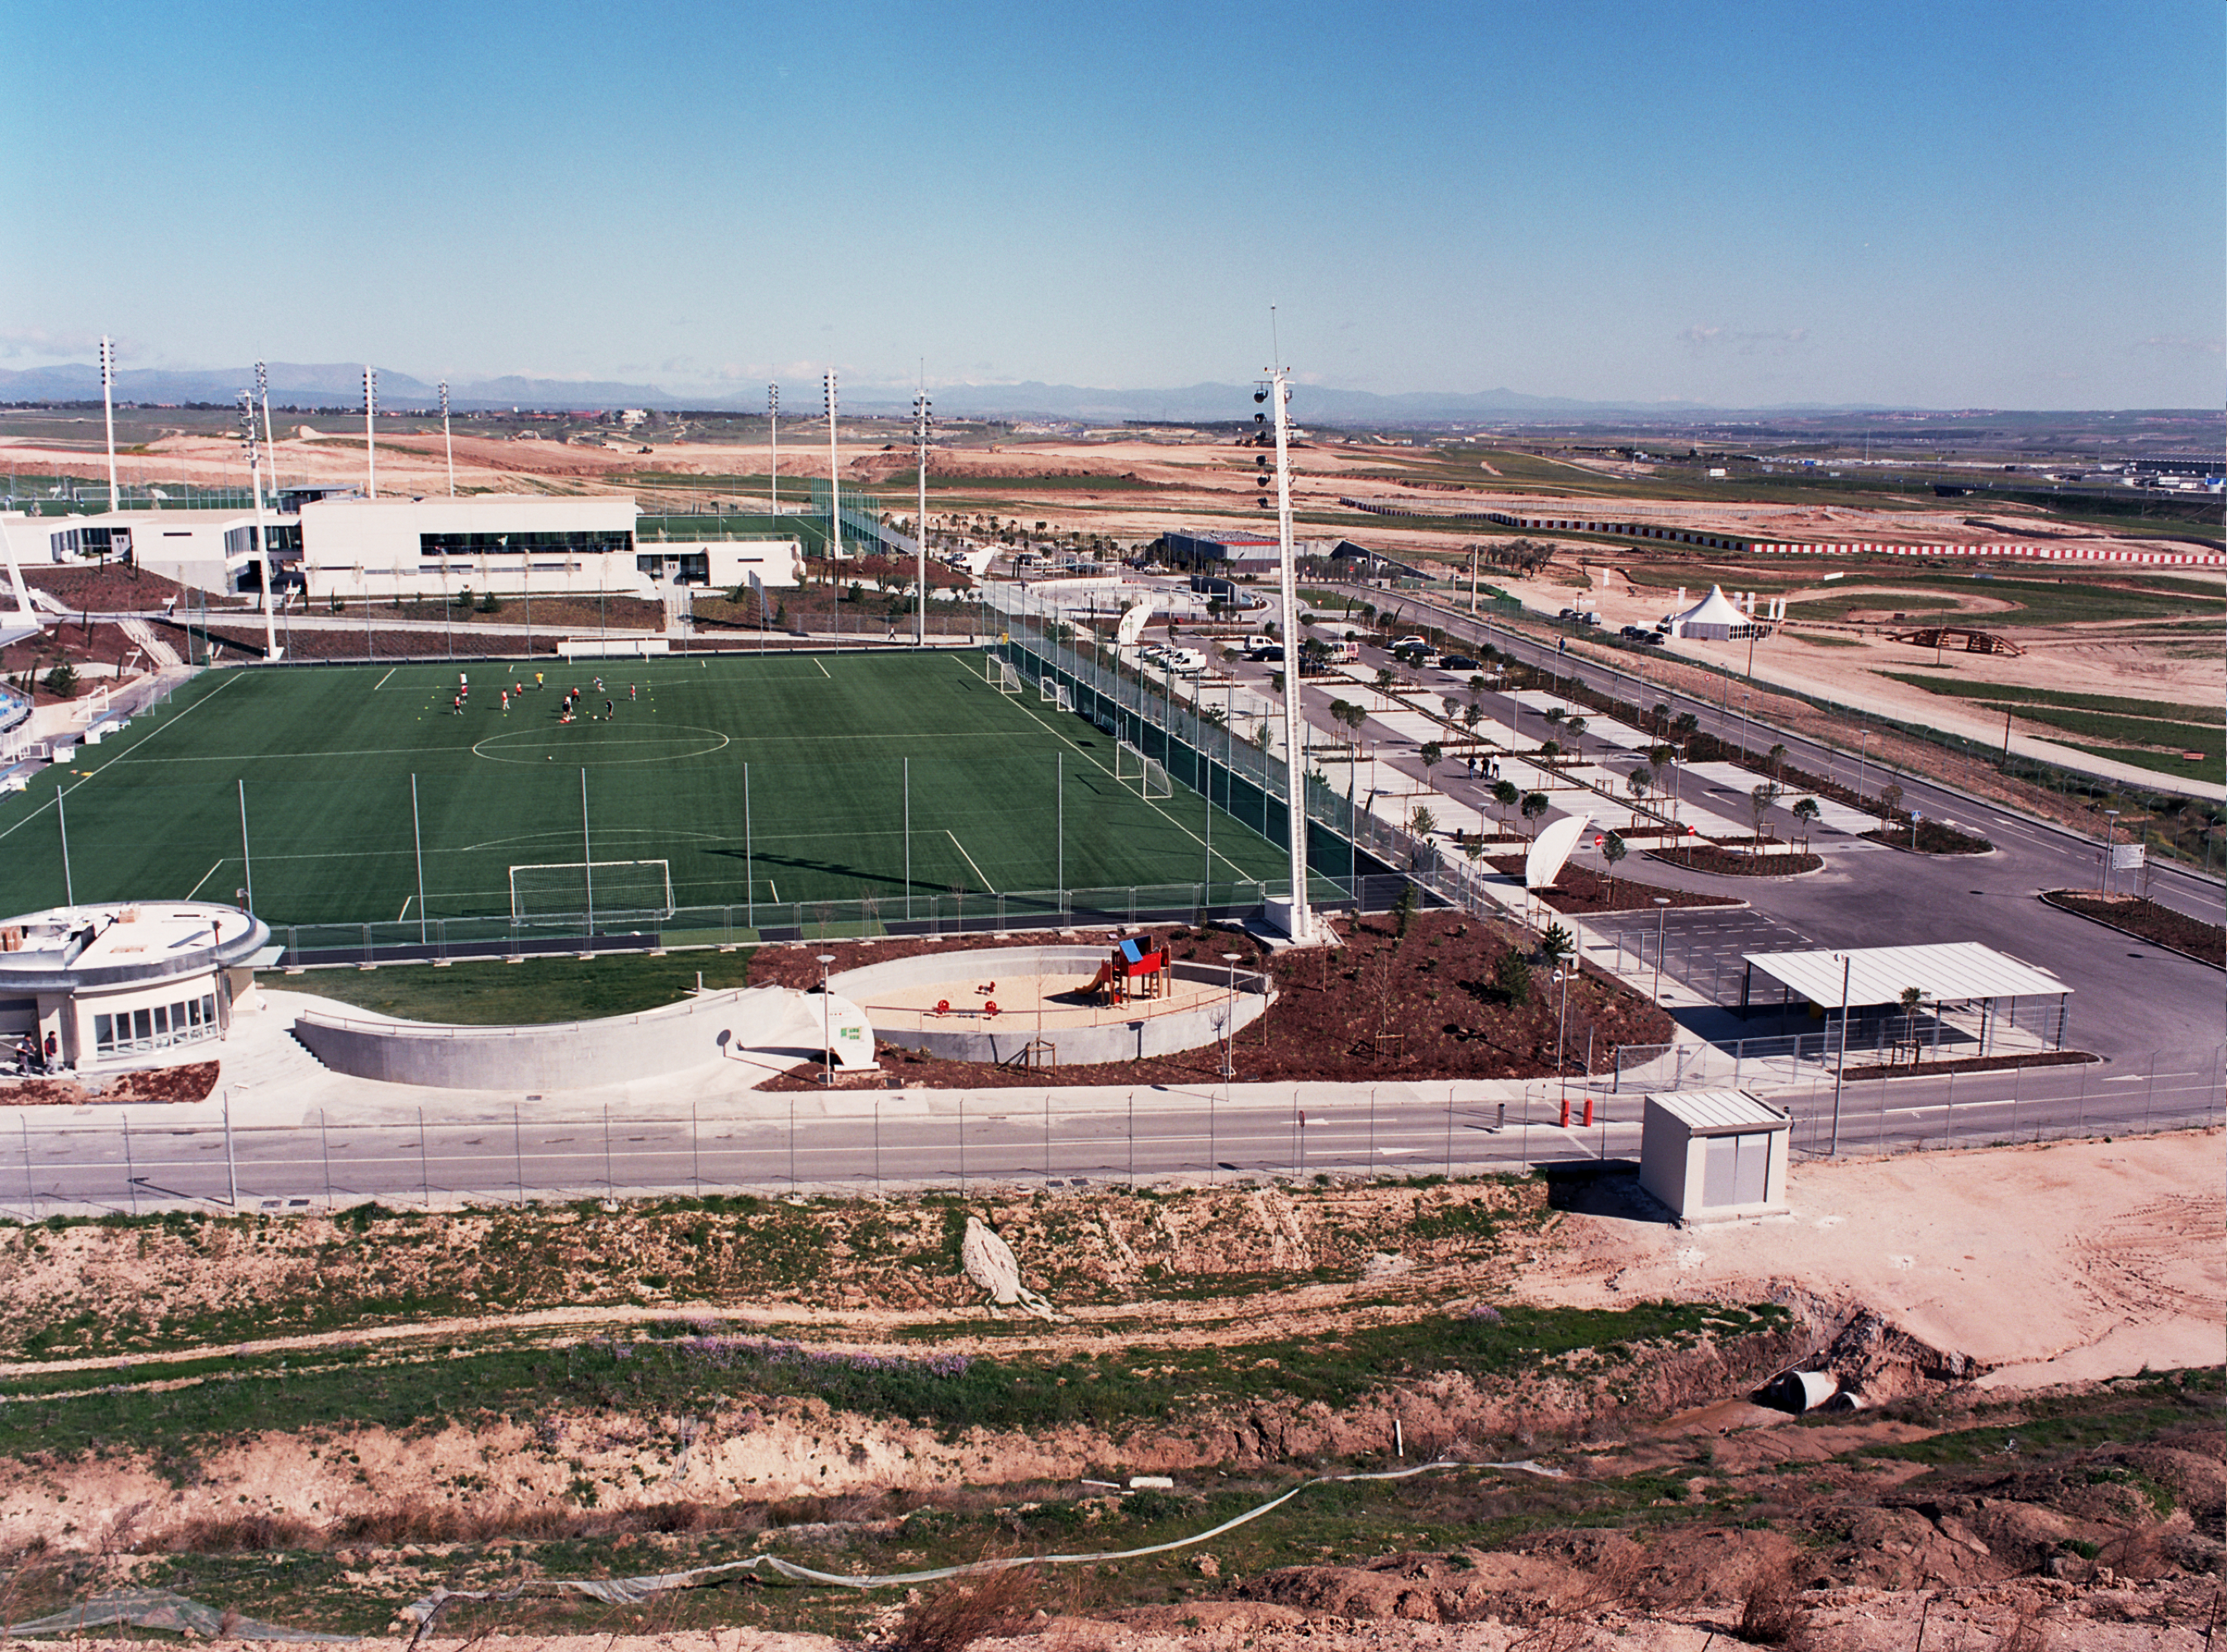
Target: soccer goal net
1000,675
1051,691
1132,768
613,891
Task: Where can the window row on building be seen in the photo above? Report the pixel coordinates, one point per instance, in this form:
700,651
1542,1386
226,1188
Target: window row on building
156,1027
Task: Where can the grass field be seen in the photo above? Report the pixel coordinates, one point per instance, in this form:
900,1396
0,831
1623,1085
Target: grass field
326,757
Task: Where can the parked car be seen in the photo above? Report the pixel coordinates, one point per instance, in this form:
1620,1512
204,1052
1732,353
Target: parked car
1186,662
1267,653
1457,662
1650,638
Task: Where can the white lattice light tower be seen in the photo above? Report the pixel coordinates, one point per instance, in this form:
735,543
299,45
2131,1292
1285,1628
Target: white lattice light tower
1299,924
773,445
262,533
270,441
370,436
108,410
835,489
920,426
448,442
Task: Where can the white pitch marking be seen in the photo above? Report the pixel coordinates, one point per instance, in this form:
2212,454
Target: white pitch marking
824,671
381,682
775,887
968,858
206,875
405,907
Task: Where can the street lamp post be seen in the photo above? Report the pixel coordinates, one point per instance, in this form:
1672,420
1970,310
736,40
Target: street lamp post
826,1027
1661,908
2111,842
1840,1066
1562,978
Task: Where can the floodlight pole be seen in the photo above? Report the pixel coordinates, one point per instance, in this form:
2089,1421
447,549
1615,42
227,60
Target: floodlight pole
418,843
587,853
773,447
920,408
834,503
262,533
270,441
1302,923
246,860
61,822
108,411
370,436
449,443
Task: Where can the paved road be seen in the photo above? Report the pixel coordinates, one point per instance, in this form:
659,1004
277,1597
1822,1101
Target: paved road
2129,998
863,1141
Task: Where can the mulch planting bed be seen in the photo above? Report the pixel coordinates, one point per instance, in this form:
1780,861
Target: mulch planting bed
1729,863
189,1083
2160,925
1975,1064
1581,889
106,588
1933,838
1375,1007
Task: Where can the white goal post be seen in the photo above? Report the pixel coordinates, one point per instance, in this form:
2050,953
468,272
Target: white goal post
563,891
1132,768
1051,691
999,673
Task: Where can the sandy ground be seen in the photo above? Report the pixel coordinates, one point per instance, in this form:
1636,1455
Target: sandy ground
2047,1265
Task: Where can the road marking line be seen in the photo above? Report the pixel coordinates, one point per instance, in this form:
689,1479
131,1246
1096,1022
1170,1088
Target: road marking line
968,858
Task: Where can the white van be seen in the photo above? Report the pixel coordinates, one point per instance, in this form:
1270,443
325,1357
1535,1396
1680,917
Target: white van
1186,662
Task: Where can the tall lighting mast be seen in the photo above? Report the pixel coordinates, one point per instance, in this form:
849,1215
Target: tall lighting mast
920,423
835,489
262,533
448,441
108,408
773,445
1278,394
270,443
370,436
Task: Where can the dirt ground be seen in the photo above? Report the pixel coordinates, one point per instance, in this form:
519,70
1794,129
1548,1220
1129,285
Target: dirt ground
2124,1273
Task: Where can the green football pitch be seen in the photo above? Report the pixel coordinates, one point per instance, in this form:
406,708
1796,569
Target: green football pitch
776,781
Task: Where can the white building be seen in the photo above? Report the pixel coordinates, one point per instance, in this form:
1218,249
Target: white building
348,546
513,543
127,984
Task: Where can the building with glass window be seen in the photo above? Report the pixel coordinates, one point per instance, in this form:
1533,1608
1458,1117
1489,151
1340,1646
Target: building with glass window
127,985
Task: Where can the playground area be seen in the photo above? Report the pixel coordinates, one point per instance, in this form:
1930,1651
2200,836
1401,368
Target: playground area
1047,1005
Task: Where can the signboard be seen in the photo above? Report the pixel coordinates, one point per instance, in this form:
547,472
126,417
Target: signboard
2126,856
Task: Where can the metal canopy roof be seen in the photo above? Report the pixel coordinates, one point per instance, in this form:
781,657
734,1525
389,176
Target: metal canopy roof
1955,973
1706,1112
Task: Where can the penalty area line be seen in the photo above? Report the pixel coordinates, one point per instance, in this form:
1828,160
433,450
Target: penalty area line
206,875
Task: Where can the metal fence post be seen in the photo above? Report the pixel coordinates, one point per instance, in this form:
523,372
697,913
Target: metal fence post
517,1150
695,1156
424,1161
325,1152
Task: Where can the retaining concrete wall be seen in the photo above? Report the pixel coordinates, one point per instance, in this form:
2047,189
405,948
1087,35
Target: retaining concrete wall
578,1055
1121,1041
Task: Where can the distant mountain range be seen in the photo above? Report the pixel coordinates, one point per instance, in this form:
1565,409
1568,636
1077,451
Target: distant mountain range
341,385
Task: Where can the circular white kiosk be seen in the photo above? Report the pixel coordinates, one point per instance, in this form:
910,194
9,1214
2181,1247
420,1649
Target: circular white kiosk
126,983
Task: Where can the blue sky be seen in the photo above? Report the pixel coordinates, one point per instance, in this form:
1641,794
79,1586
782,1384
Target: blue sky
1951,204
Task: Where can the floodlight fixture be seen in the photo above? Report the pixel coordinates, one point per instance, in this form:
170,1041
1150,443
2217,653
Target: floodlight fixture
773,446
370,436
108,411
448,441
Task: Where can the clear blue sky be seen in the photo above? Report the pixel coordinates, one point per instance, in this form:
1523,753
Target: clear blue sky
1943,204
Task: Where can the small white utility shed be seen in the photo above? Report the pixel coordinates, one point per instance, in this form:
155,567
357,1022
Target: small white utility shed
1713,1154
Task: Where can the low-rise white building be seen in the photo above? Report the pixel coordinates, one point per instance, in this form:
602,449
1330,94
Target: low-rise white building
127,984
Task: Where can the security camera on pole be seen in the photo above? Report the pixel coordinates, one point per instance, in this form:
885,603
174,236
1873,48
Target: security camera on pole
1295,919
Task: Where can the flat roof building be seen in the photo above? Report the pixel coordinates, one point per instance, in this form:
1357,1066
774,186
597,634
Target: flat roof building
127,984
